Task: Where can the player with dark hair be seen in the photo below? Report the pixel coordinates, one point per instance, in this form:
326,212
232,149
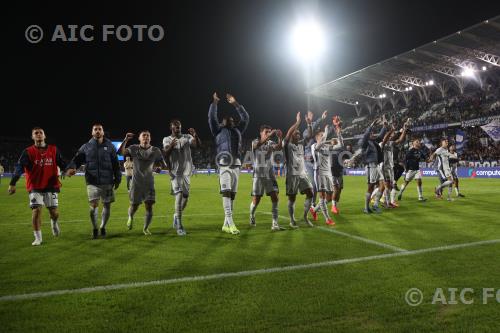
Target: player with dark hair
337,149
309,136
102,175
453,159
373,157
412,166
264,180
296,176
128,165
443,169
177,149
144,157
321,152
394,139
228,138
40,163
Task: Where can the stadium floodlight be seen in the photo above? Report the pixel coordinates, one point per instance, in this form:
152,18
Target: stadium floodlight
357,102
484,68
468,72
431,82
307,40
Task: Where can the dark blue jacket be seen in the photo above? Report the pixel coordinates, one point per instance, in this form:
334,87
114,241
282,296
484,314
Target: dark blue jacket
101,162
371,151
225,137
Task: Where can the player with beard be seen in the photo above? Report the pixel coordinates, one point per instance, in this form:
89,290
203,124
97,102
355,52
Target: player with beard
102,175
177,148
296,176
228,139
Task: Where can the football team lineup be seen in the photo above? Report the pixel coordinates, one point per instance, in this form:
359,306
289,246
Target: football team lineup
314,168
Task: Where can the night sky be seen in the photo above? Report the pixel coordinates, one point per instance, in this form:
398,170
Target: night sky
225,46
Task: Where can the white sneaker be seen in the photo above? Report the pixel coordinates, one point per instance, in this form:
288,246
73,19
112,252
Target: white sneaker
146,232
276,227
55,228
181,232
36,242
294,225
450,199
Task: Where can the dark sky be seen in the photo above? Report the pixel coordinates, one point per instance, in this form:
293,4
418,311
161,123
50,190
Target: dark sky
226,46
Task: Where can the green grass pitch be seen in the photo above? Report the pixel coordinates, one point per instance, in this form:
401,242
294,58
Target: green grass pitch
365,295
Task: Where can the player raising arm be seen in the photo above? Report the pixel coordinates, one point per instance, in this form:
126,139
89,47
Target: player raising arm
321,152
309,135
373,157
39,163
145,157
228,138
264,180
296,176
394,138
177,149
338,149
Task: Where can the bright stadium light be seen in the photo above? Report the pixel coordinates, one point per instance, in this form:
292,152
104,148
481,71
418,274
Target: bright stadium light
484,68
431,82
307,40
467,72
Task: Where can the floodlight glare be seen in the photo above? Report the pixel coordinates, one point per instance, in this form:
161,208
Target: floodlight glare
468,72
431,82
307,40
484,68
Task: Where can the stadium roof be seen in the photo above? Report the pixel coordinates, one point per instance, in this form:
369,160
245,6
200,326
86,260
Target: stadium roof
432,66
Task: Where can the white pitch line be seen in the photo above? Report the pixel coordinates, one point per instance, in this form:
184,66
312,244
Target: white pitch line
238,274
362,239
366,240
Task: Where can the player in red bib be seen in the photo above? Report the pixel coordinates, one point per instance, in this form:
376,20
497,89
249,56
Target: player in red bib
40,163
